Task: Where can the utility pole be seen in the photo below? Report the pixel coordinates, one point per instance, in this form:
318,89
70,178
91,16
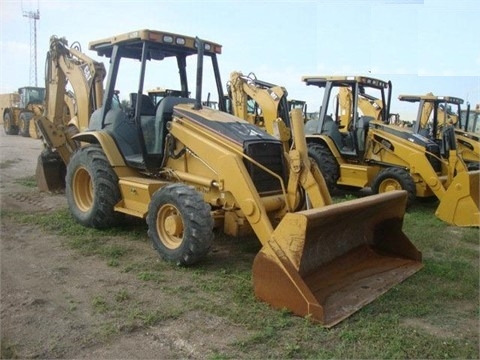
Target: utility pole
33,16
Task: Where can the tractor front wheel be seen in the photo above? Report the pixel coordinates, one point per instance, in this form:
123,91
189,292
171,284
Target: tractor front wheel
8,126
392,178
180,224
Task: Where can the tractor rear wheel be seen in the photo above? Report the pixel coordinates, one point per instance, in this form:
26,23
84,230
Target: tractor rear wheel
327,164
180,224
92,188
8,126
392,178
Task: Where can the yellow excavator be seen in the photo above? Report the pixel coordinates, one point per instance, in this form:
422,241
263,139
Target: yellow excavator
188,169
436,115
358,148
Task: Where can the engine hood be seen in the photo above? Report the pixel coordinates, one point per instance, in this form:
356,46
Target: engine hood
224,124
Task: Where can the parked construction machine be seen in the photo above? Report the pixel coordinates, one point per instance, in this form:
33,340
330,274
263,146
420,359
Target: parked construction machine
439,118
467,132
188,169
298,104
358,148
19,108
470,119
267,106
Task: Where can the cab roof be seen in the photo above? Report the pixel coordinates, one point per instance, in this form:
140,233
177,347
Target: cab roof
431,98
321,81
162,44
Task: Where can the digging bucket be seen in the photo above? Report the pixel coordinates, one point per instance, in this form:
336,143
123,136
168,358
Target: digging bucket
329,262
50,172
460,204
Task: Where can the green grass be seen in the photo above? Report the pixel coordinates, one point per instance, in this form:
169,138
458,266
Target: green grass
29,181
433,314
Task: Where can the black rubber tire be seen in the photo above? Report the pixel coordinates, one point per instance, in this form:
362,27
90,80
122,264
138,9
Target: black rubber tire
92,188
327,164
392,178
9,128
24,121
180,224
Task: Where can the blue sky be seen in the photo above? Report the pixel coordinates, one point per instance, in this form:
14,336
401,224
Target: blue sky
420,45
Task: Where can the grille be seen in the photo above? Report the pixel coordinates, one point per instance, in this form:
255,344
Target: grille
270,155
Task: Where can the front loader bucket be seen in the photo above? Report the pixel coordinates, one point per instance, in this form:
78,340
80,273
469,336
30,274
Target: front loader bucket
329,262
50,172
460,203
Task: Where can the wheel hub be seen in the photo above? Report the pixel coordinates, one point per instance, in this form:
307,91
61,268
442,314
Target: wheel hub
173,225
390,185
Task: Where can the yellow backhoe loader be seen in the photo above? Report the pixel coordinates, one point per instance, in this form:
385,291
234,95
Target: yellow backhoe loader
263,104
358,148
298,104
186,169
436,115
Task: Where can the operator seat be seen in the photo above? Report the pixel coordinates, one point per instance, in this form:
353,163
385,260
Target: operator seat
147,119
330,128
361,130
148,107
124,132
163,116
448,141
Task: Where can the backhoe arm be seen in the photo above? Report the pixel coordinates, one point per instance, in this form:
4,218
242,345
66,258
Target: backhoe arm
69,66
368,105
267,96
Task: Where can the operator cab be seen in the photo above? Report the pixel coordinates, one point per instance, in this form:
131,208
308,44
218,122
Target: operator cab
141,132
470,119
31,95
436,118
342,117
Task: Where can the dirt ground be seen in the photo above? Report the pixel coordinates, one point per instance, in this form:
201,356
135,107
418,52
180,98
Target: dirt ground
42,280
